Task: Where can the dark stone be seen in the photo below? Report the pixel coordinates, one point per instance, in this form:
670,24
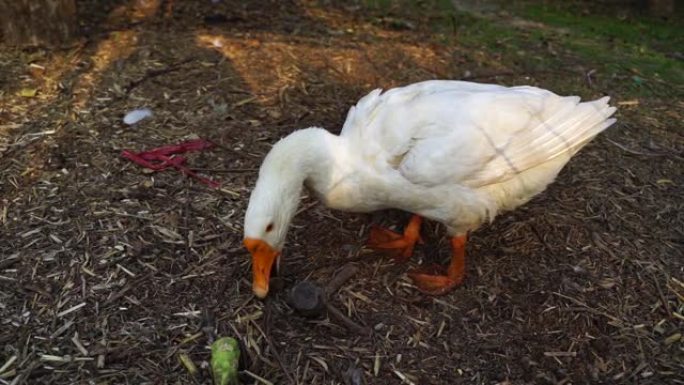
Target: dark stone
307,299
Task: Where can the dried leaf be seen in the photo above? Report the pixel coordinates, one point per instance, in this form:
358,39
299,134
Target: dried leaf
607,283
187,362
28,92
673,338
321,362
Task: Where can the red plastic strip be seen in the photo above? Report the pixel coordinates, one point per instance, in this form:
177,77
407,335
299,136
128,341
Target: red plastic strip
164,159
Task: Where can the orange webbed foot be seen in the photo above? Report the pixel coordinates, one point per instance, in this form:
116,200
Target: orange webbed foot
437,280
433,280
398,246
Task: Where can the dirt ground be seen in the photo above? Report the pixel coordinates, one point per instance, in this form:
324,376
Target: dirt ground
110,273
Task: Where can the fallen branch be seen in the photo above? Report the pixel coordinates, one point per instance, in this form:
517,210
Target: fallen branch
154,73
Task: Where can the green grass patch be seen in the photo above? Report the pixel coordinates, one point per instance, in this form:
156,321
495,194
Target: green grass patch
637,30
635,52
642,47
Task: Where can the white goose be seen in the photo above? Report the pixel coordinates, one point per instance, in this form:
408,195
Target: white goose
450,151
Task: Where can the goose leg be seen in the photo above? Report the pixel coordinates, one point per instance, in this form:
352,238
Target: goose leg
434,281
398,246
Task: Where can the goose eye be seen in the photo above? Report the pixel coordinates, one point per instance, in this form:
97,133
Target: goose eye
269,227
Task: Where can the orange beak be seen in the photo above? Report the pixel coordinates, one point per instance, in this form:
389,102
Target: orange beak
263,256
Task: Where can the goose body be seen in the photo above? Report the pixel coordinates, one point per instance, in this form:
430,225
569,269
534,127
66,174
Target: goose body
450,151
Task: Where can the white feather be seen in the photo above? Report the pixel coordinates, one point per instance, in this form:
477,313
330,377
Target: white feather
135,116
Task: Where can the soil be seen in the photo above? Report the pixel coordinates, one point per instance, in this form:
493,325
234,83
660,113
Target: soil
109,272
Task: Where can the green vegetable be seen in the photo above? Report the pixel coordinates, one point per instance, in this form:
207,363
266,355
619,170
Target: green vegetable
225,356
